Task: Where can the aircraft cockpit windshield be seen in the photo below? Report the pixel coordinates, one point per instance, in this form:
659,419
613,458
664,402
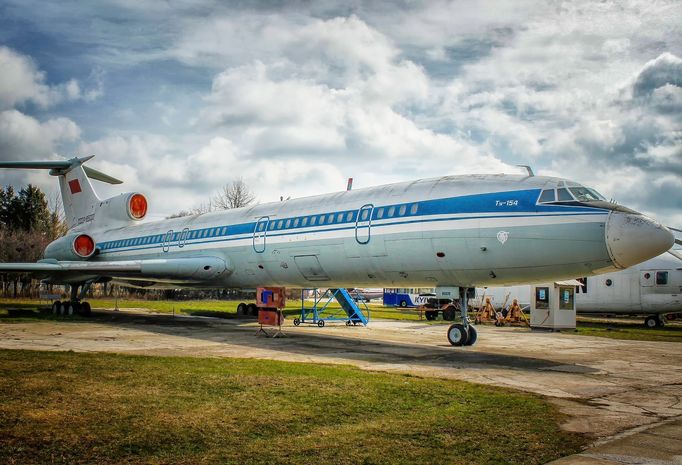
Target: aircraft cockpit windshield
569,193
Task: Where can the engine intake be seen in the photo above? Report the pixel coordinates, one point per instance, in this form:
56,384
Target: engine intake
75,246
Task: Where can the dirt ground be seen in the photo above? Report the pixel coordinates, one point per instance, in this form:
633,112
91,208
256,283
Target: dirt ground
611,390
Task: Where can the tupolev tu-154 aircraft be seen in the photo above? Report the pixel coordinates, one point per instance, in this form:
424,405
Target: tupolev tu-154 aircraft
452,231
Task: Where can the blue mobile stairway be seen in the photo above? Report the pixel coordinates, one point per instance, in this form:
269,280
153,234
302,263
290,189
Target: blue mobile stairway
320,312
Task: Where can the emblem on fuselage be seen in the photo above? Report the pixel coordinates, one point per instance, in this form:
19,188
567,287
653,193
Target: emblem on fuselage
502,236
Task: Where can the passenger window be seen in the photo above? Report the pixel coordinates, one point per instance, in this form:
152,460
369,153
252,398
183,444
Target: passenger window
380,213
564,195
296,223
547,196
661,278
413,209
339,217
365,214
279,224
304,221
313,220
403,209
321,219
288,223
349,216
261,226
391,211
330,218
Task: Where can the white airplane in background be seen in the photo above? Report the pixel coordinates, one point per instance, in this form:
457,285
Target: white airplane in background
652,288
452,231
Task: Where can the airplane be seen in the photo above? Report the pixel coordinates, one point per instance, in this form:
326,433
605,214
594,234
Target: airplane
446,232
652,288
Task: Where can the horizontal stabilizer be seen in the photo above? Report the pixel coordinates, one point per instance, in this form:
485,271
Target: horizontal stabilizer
60,167
99,176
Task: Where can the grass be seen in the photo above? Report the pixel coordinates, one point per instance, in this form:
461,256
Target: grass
672,332
70,408
218,308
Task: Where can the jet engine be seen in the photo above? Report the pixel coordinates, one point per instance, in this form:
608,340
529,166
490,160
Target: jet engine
131,206
76,246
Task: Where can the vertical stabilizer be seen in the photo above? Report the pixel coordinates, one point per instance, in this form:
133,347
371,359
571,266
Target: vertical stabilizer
79,198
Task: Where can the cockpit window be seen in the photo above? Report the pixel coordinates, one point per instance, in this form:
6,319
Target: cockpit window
547,196
563,195
583,194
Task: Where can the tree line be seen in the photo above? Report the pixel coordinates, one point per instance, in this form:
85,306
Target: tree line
28,223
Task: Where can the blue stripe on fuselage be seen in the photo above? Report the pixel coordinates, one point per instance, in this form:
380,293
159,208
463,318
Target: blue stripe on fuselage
507,204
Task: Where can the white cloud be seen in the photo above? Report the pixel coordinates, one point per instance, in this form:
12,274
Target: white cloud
21,82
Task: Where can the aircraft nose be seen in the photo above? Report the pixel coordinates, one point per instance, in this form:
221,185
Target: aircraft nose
632,238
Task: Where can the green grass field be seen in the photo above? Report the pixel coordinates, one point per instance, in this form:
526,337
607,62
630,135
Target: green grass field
67,408
219,308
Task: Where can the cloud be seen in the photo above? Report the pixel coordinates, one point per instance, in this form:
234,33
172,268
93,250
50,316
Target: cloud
22,82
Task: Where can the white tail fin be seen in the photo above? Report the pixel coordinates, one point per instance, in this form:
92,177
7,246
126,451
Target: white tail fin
79,198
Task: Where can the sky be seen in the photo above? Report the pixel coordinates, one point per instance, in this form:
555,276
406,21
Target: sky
179,98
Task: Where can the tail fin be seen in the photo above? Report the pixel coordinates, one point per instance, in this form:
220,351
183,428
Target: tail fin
78,196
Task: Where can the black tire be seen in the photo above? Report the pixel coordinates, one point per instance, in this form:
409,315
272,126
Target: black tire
449,314
660,321
403,303
473,336
86,310
430,315
252,309
348,323
651,321
56,308
320,323
297,321
242,309
457,335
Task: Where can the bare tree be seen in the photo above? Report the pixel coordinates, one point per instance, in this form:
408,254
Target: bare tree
233,195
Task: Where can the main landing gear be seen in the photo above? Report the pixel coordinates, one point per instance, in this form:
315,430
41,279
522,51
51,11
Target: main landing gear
75,306
462,334
654,321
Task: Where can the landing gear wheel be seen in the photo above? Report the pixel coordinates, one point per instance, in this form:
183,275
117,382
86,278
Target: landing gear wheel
457,335
297,321
473,335
56,308
320,323
651,322
348,323
252,309
241,309
71,308
660,321
449,314
85,309
430,315
403,303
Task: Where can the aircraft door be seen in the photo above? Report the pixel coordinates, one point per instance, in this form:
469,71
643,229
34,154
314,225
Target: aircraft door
167,239
182,238
363,224
260,232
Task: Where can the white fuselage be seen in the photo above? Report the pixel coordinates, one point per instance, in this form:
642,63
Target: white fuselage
453,230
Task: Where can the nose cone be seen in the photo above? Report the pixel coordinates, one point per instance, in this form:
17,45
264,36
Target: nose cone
633,239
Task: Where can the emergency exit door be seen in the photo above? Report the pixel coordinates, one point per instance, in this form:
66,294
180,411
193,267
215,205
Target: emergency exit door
363,224
260,232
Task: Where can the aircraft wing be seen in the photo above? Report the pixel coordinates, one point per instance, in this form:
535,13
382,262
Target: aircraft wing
191,269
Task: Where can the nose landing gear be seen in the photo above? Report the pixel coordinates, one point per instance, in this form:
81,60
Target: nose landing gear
462,334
